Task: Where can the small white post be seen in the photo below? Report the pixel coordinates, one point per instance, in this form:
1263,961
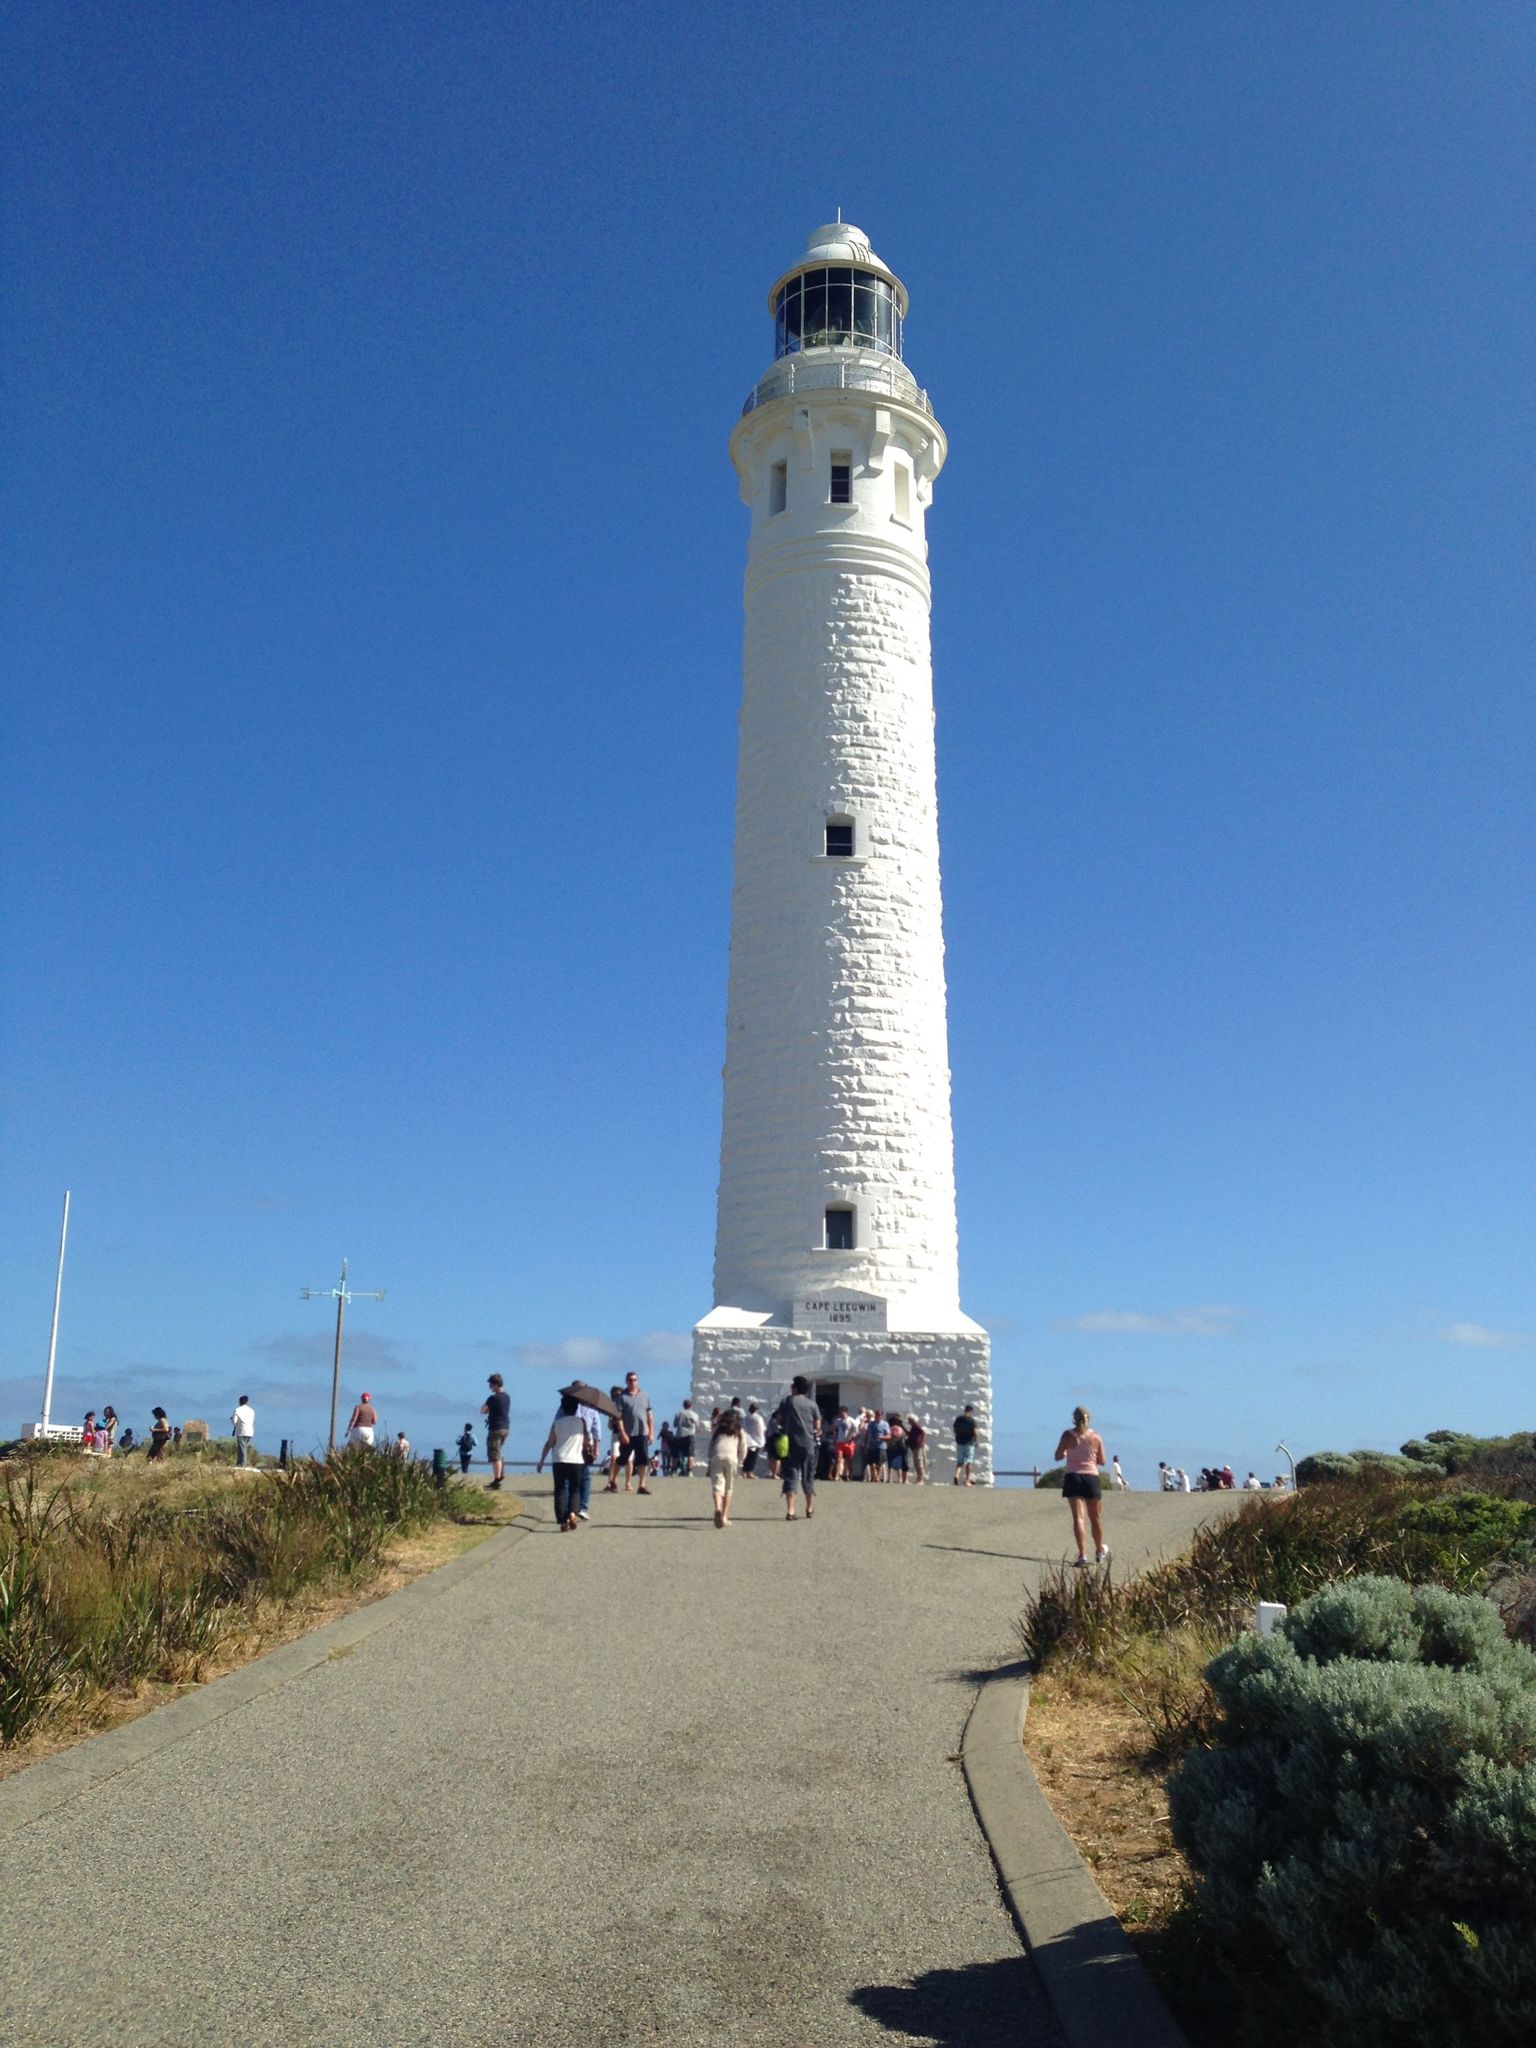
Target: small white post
53,1333
1268,1616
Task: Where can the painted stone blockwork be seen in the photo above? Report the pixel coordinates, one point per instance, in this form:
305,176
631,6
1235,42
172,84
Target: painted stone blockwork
931,1376
837,1079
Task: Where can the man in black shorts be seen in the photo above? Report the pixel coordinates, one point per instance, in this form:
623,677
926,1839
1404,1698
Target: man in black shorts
638,1425
497,1410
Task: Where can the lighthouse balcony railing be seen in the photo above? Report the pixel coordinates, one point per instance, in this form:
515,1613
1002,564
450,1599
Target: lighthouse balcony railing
796,373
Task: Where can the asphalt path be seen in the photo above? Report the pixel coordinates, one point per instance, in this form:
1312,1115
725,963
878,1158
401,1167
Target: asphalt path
647,1783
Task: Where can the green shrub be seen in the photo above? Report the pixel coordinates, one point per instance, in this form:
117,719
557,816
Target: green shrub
1283,1548
1052,1480
1388,1461
1366,1817
1458,1538
1325,1465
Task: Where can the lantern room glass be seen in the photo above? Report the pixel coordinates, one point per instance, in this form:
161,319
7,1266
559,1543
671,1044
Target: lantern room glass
839,307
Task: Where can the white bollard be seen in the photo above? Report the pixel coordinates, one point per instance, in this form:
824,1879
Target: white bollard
1268,1616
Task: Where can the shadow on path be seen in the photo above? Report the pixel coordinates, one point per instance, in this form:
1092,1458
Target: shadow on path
1013,1556
980,2005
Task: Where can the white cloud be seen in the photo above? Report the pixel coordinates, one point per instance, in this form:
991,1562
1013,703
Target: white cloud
1179,1322
1479,1333
666,1347
569,1354
598,1355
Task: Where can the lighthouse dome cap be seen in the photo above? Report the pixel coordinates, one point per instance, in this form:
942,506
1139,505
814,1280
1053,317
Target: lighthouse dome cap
839,241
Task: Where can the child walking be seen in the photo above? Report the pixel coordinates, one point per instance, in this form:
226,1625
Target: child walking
725,1445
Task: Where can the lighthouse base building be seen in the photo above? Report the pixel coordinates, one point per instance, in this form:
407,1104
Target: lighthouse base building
931,1374
835,1247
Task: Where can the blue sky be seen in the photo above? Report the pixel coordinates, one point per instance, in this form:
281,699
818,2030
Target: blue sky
373,651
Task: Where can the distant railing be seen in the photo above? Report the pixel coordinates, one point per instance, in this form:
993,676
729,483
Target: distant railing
797,373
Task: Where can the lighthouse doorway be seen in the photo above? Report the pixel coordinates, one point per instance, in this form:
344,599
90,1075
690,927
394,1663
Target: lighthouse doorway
852,1394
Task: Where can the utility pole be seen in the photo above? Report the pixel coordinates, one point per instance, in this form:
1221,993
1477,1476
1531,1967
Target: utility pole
341,1294
53,1331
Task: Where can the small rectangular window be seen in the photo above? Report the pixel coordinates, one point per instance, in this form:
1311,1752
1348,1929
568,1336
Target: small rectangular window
903,494
839,840
778,487
842,479
839,1230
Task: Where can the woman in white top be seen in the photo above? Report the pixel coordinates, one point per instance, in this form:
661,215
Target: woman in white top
570,1440
754,1431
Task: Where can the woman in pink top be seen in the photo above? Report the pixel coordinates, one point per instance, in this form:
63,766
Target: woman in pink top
1083,1449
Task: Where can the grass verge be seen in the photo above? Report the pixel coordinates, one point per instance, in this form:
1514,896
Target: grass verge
123,1584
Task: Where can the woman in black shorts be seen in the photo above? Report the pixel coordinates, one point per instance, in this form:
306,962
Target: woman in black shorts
1083,1449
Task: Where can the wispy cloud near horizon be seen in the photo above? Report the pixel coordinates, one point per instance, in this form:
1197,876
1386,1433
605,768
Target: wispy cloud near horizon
1480,1333
1212,1321
589,1355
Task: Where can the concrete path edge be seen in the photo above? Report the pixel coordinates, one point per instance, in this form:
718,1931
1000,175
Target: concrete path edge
1097,1988
43,1787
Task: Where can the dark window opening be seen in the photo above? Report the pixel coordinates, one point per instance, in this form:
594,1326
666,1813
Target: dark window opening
842,480
839,1230
778,487
839,841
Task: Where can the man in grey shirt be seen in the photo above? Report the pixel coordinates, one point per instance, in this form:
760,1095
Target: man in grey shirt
685,1427
800,1419
635,1408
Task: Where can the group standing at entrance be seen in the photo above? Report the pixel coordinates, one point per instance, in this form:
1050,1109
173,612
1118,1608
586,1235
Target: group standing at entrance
797,1444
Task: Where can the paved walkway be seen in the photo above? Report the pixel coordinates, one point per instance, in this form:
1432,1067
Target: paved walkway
648,1783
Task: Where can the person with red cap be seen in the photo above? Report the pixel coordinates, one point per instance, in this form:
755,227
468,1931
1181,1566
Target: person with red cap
363,1422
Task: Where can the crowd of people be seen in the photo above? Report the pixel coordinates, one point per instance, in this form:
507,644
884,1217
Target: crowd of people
794,1444
1215,1479
100,1434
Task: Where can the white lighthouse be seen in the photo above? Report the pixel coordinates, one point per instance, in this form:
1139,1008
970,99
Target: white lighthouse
835,1249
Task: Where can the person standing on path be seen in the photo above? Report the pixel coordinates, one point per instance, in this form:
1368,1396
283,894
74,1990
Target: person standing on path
497,1410
754,1434
160,1432
639,1425
106,1431
466,1446
686,1426
591,1452
1117,1478
570,1440
965,1445
362,1422
243,1422
798,1418
724,1463
917,1450
1083,1449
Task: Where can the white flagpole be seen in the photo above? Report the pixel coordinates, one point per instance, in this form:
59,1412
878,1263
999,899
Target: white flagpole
53,1334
